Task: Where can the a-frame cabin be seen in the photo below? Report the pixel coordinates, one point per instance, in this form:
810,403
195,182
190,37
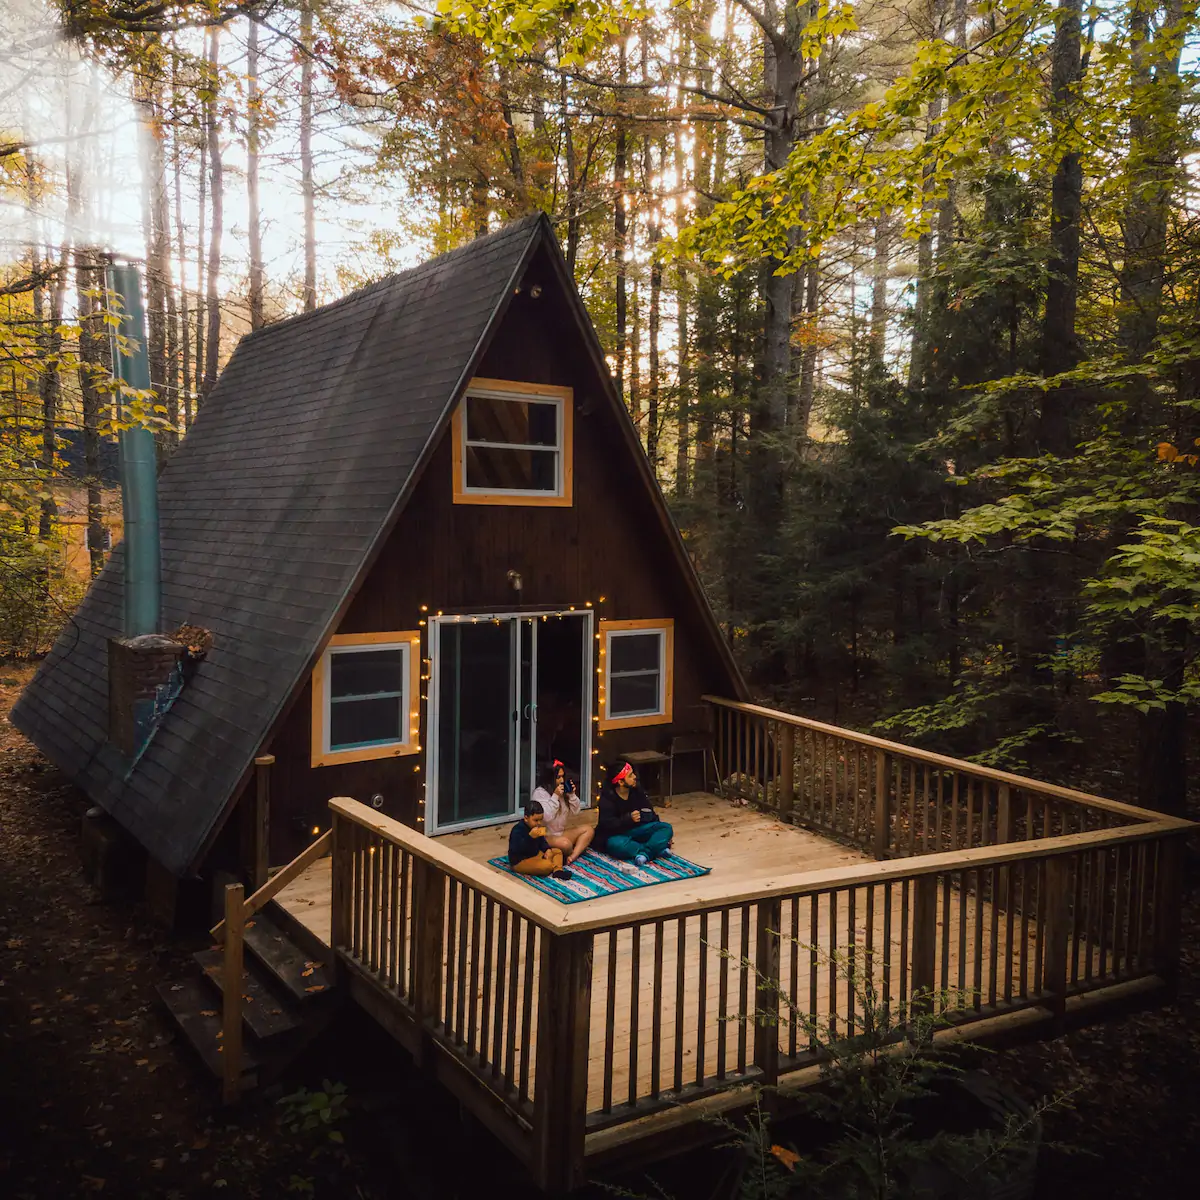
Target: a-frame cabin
424,536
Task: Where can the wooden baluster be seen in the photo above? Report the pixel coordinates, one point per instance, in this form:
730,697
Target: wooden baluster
231,993
1168,897
1055,902
912,807
814,943
376,901
883,779
851,959
905,986
924,950
743,987
680,998
473,1000
1143,907
833,964
887,950
925,813
356,889
527,1007
451,942
856,818
564,1028
464,900
635,983
1118,925
1102,913
766,992
962,938
486,1012
977,994
723,994
504,978
610,1015
945,934
787,765
1026,868
656,1013
403,926
1089,921
971,841
794,989
702,1000
994,949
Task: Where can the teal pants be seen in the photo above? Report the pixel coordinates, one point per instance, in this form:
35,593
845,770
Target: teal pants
651,839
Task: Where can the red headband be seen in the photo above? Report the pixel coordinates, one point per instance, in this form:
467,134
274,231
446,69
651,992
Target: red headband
625,771
556,763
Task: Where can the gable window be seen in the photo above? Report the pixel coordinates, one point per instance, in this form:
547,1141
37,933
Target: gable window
512,444
636,673
365,698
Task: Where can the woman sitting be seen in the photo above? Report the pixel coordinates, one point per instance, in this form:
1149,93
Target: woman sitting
628,827
559,800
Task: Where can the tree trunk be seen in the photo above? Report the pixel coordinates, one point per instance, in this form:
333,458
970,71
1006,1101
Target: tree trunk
201,258
635,358
50,389
880,264
619,231
306,158
683,373
217,185
253,134
1059,349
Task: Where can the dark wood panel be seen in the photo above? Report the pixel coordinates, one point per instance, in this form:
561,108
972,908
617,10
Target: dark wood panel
457,557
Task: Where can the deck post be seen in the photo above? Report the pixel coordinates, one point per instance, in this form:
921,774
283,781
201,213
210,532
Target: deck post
561,1079
429,907
262,818
766,989
883,802
340,883
1057,931
231,993
787,772
1167,910
924,949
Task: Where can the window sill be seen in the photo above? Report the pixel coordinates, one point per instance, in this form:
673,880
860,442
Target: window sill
332,758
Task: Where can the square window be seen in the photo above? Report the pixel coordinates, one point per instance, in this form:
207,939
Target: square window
512,444
364,698
636,673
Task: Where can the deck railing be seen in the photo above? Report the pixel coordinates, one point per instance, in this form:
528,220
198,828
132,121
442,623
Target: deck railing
891,800
561,1026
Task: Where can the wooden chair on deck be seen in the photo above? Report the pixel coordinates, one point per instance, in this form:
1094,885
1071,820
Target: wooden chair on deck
697,742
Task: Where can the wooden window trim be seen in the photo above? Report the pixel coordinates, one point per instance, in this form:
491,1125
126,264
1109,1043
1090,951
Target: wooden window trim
530,391
321,757
665,626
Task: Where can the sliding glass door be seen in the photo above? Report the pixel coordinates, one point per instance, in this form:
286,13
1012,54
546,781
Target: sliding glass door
508,695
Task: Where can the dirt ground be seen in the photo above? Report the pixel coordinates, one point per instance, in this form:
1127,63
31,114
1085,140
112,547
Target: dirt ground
97,1098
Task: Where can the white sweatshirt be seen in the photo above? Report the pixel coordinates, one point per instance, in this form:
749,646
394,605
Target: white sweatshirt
557,811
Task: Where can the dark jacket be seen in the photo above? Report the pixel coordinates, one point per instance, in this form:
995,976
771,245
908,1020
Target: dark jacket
522,845
616,815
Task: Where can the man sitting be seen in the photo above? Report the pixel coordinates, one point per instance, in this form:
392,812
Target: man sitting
628,827
528,853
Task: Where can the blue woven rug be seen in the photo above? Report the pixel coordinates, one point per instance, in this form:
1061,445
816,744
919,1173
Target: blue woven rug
596,874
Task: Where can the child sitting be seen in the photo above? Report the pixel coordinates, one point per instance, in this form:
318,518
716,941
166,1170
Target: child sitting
528,853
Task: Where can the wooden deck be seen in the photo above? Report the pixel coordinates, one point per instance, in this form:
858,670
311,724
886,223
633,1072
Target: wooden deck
992,901
650,1039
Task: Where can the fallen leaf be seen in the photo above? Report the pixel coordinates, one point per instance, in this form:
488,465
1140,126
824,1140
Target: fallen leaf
789,1158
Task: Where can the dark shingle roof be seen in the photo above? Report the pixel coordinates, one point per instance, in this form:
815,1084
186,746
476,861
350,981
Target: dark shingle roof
265,525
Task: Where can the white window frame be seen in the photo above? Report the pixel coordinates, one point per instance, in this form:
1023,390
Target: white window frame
409,643
528,393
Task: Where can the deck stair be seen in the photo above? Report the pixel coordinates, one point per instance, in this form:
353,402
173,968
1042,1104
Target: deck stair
288,997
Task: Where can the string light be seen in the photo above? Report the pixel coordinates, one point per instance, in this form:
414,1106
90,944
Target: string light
424,607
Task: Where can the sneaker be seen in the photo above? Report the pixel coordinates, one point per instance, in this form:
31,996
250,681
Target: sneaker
562,873
640,859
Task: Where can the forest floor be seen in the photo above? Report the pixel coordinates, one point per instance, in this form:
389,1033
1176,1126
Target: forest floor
97,1098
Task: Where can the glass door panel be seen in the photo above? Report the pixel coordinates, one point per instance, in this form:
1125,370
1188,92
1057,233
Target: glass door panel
475,755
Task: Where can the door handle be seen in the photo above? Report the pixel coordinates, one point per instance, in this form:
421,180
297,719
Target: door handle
528,711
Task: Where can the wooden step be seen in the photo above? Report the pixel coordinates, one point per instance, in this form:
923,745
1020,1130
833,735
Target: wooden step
305,978
265,1014
196,1009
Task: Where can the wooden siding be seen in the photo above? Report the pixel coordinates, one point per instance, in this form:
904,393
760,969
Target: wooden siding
610,543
